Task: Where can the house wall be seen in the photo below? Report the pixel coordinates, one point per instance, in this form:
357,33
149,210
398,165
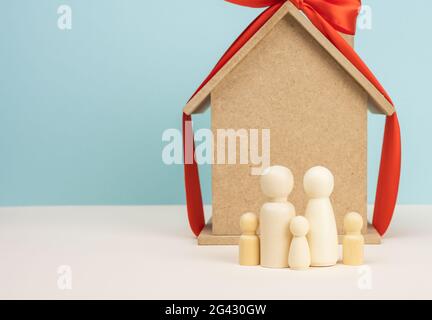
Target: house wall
317,115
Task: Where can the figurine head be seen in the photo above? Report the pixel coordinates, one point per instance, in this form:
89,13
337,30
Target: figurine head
249,223
353,222
299,226
318,182
277,182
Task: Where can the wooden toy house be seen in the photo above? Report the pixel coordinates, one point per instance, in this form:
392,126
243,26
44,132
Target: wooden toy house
290,78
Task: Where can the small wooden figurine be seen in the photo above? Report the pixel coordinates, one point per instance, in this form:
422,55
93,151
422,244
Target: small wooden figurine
249,244
276,183
299,255
323,238
353,241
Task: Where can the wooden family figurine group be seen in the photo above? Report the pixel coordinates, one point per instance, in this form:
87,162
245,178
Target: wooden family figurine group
298,242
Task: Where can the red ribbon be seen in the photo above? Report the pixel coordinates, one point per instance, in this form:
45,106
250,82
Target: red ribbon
329,16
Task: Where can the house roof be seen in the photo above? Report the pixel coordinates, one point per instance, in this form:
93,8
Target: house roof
378,103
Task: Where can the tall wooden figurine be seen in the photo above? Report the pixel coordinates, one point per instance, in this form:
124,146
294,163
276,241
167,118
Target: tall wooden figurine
276,183
323,237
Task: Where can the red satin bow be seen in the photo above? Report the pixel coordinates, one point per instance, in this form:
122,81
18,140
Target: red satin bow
341,14
329,16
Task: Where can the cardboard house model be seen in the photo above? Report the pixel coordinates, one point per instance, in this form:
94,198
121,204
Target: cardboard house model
289,78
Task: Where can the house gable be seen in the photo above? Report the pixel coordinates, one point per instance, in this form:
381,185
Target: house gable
379,104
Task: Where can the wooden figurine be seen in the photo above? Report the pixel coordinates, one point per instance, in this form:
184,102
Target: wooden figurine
318,185
290,80
353,241
299,254
249,244
275,216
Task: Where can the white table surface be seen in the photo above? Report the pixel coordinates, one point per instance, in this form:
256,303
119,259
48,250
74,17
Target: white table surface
148,253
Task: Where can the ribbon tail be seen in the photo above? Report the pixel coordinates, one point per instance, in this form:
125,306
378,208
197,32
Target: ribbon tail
340,43
194,201
389,175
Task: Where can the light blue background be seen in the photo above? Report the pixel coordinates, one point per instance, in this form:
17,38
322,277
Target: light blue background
82,111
